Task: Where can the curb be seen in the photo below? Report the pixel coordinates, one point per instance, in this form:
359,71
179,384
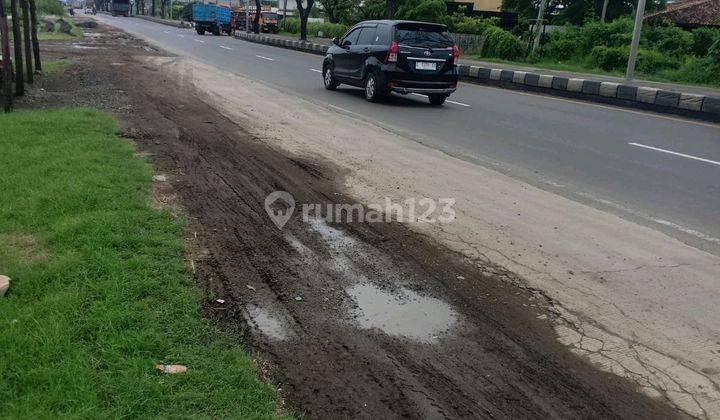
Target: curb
687,104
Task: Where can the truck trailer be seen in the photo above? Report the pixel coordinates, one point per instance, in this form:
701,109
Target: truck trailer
120,7
211,18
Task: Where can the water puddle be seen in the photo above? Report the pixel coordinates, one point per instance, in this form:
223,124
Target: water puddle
85,47
335,238
268,324
404,314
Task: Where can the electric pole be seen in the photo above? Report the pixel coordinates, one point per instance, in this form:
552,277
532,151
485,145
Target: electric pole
639,15
26,39
538,25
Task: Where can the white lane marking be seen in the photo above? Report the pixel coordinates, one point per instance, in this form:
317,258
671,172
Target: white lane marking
265,58
224,47
167,32
181,36
456,103
198,40
689,231
316,70
670,152
447,100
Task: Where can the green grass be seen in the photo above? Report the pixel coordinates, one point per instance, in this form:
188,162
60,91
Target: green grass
580,67
100,290
55,35
51,66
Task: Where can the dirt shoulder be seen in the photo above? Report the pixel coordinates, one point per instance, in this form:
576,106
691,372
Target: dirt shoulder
321,301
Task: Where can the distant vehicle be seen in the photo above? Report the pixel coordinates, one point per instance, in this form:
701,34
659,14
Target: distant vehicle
394,56
211,18
89,11
120,7
268,19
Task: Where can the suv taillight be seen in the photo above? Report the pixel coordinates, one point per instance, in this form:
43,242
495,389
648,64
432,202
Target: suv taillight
456,52
392,53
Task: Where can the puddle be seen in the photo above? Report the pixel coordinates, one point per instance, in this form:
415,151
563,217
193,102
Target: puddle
405,314
336,238
85,47
268,324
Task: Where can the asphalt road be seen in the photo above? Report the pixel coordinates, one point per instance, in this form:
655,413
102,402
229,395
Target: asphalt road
658,170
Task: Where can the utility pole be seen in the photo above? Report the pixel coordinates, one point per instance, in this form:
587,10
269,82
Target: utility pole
7,70
17,43
538,25
604,11
247,16
284,13
33,33
639,15
26,39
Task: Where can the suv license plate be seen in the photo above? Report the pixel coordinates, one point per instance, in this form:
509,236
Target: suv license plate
424,65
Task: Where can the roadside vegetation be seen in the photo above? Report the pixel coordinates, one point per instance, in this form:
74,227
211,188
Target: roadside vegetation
667,53
100,290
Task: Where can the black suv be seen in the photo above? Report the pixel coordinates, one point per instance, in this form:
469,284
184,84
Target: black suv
399,56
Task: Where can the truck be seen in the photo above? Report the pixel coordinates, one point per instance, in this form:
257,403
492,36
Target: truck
120,7
268,19
211,18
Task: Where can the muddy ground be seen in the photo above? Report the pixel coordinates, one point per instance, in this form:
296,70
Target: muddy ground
353,320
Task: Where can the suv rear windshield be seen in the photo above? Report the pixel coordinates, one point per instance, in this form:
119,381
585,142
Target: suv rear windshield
270,15
429,36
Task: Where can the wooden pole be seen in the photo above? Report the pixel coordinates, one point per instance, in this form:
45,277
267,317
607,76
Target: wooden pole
7,70
17,43
26,39
33,33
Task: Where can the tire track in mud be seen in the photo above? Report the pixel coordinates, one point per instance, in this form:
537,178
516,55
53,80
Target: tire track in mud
496,359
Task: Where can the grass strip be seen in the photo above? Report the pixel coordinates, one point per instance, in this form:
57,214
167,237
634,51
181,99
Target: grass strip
100,290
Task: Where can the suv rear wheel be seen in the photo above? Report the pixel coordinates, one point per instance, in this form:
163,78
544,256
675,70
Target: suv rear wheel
329,79
373,90
437,100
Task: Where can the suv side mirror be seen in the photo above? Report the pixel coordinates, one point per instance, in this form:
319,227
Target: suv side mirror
336,41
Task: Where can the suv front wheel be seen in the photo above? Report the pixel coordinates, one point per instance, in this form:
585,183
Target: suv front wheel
373,90
329,79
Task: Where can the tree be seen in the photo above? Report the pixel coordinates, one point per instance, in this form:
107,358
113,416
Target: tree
423,10
338,11
304,12
371,10
390,9
256,21
576,12
7,71
17,42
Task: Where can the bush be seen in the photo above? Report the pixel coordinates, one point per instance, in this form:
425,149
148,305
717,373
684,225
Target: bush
291,25
50,7
668,39
696,70
609,58
650,62
329,30
500,43
559,49
461,24
703,39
